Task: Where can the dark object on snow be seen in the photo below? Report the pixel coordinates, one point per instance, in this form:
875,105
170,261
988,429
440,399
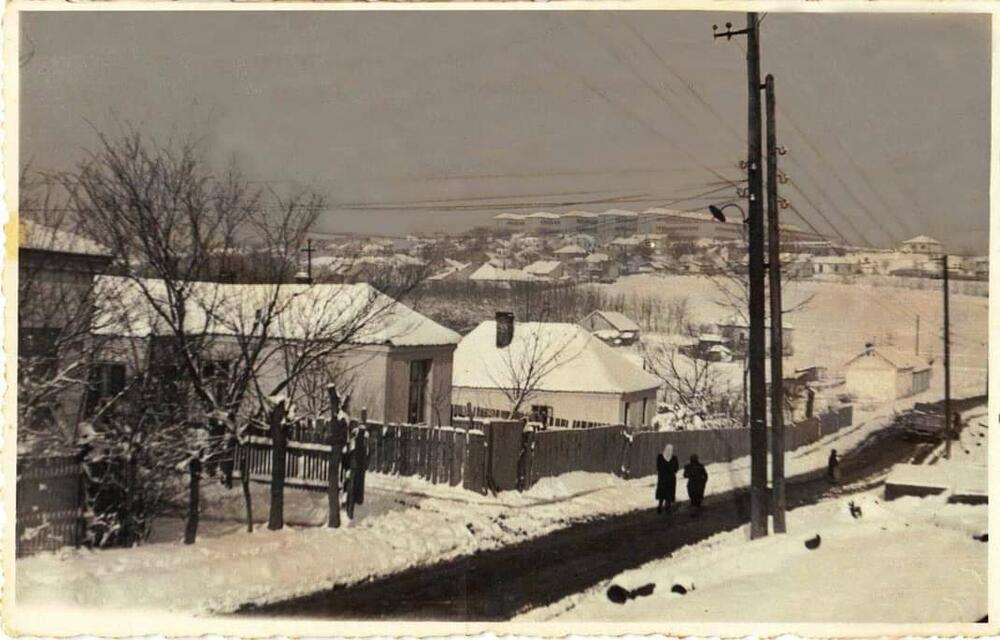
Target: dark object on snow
666,481
697,477
813,543
644,590
855,510
983,537
833,468
617,594
678,588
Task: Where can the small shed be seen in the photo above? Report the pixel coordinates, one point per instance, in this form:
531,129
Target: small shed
611,326
884,374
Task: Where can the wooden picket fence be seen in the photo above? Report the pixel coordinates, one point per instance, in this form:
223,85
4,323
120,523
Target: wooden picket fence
446,455
49,503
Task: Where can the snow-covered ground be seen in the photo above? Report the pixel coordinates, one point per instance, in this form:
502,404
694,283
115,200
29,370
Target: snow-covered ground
839,318
404,523
910,560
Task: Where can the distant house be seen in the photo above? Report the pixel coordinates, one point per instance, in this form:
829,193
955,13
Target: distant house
883,374
490,273
453,271
612,327
836,265
546,269
581,377
397,363
600,266
737,334
570,251
922,244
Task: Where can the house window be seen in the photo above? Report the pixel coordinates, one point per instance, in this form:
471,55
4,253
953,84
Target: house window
107,380
38,349
541,413
216,376
419,373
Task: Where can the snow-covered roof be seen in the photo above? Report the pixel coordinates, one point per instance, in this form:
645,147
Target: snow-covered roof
542,267
710,337
619,321
34,235
508,216
571,249
582,214
896,358
544,214
622,213
921,240
627,242
573,359
490,272
835,260
597,257
304,312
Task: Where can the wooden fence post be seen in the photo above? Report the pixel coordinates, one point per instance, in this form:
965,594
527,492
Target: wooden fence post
335,435
361,453
279,447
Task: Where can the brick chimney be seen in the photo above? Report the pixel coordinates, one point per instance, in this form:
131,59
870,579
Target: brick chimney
505,328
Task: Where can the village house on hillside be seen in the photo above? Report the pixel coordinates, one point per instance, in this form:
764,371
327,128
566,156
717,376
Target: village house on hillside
396,363
883,374
546,269
922,244
576,376
612,327
736,332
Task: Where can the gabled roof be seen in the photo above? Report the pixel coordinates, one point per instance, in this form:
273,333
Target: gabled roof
508,216
921,240
489,272
544,214
571,249
40,237
306,312
576,360
897,359
624,213
542,267
597,257
617,320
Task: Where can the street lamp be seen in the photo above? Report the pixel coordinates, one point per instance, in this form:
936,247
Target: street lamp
716,211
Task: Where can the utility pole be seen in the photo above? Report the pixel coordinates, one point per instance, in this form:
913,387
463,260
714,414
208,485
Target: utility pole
308,250
777,342
916,346
947,364
755,222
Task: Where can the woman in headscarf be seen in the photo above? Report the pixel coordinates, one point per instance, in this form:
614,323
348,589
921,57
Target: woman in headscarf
666,478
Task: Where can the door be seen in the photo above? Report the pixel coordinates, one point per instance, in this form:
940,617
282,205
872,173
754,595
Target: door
419,374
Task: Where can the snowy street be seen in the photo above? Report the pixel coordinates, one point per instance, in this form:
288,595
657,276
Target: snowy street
907,560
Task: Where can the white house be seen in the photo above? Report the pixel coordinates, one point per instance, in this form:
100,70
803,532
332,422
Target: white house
575,375
546,269
836,265
490,273
395,361
884,374
922,244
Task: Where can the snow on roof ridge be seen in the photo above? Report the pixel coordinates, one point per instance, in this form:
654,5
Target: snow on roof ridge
43,237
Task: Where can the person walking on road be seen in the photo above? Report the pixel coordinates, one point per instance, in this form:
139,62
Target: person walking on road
833,468
666,478
697,478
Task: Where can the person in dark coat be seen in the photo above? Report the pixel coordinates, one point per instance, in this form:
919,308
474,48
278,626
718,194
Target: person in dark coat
666,478
833,467
697,478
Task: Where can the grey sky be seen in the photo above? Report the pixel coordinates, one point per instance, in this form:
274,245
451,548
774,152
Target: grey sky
886,117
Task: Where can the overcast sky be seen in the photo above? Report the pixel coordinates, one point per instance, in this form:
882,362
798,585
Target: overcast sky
434,120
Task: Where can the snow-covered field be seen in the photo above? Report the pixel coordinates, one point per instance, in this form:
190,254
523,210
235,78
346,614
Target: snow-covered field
405,522
909,560
839,318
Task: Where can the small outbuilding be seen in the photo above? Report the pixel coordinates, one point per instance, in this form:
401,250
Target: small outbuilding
884,374
611,326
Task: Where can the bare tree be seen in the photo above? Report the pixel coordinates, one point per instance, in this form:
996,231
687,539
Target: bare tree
696,384
536,351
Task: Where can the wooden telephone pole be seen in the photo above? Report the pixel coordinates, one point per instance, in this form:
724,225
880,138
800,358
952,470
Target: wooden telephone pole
947,364
755,222
777,343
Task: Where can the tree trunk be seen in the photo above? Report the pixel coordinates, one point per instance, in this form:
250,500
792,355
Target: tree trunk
333,477
245,481
194,506
279,446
